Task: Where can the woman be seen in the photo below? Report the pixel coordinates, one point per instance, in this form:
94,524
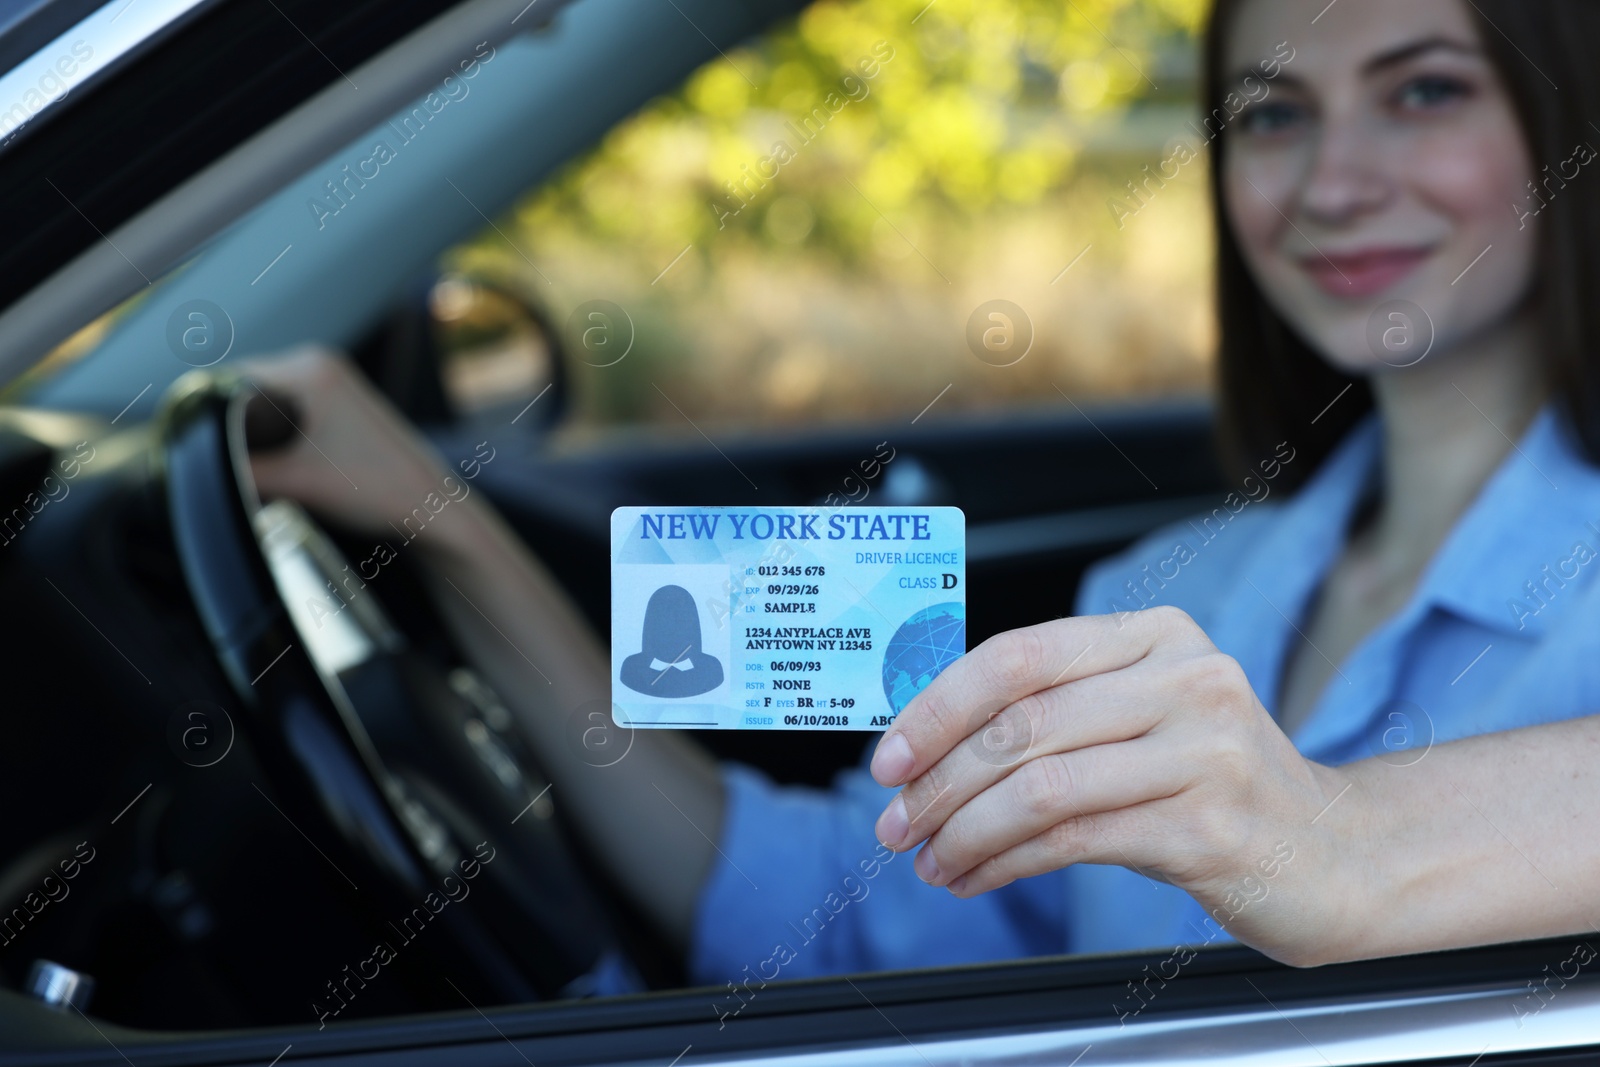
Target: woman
1408,152
1278,746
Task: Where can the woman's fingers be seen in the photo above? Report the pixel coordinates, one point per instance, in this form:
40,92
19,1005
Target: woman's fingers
1097,710
1107,838
346,453
1125,740
1010,666
290,393
309,371
1060,788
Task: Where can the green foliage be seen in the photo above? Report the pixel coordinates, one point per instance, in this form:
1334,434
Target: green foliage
966,114
802,229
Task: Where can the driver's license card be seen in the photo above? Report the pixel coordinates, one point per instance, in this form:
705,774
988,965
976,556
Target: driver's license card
797,618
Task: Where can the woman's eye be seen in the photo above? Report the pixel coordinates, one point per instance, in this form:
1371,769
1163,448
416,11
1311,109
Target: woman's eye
1431,91
1267,119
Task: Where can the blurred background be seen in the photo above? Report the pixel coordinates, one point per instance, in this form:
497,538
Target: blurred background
804,231
785,257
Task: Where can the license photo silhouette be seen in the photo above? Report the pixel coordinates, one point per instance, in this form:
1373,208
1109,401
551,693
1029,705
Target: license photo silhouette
669,662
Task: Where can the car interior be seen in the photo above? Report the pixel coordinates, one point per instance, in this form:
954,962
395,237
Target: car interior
189,744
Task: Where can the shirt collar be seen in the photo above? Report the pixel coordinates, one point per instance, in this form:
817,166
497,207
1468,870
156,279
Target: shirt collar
1533,513
1530,533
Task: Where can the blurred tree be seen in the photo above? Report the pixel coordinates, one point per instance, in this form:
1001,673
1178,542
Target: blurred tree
881,141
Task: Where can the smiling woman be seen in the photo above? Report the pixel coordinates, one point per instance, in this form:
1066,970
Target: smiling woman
1446,129
1382,179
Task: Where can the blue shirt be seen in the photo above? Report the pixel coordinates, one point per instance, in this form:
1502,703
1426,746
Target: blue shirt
1498,633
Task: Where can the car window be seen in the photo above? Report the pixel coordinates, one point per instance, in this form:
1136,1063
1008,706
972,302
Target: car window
870,208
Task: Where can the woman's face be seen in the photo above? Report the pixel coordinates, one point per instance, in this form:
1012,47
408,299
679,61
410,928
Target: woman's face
1383,164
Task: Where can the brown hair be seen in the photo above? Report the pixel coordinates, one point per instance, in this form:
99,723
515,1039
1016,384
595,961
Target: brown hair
1272,384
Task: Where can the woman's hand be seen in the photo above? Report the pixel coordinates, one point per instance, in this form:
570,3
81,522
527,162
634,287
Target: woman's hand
347,454
1126,740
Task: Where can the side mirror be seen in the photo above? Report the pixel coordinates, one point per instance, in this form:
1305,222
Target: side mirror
461,348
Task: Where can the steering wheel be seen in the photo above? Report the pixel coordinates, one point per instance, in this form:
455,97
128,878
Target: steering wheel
415,773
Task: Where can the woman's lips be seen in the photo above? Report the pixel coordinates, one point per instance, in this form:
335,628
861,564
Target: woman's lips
1364,273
